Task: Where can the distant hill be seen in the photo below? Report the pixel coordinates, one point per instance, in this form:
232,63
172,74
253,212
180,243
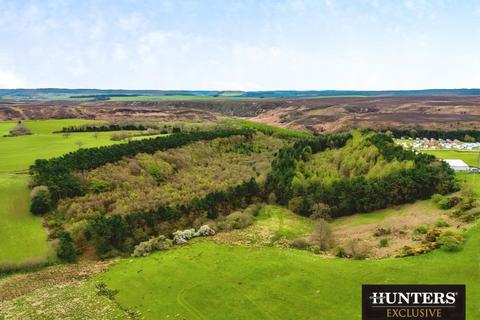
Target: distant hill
108,94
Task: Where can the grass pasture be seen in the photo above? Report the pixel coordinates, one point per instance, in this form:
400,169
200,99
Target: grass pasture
470,157
18,153
21,234
211,281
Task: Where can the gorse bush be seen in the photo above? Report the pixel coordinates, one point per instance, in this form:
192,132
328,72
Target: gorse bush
66,250
420,230
450,241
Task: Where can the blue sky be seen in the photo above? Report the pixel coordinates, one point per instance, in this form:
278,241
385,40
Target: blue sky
240,45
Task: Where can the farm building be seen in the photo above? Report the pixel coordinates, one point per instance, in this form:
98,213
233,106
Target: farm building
457,164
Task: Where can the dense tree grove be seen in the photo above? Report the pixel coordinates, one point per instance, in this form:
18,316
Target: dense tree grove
109,127
57,175
463,135
347,195
119,234
283,167
171,177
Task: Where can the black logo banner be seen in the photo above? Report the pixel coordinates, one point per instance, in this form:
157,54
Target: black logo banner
413,302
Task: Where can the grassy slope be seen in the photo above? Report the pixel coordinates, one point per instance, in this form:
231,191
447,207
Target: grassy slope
18,153
21,233
425,207
211,281
283,223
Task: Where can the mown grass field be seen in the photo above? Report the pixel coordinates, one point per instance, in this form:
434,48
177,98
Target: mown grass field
470,157
21,233
18,153
212,281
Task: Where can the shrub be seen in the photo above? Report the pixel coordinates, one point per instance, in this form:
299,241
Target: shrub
102,290
384,242
322,235
66,250
300,243
436,198
380,231
340,252
154,244
320,211
204,231
155,172
433,234
253,210
448,203
182,236
296,204
408,251
420,230
450,241
442,224
470,216
358,249
41,200
134,167
98,186
239,220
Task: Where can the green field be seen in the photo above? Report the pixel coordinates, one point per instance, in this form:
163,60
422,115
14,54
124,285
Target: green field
212,281
21,234
470,157
18,153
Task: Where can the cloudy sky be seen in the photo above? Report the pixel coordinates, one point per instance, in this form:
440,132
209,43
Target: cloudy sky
240,45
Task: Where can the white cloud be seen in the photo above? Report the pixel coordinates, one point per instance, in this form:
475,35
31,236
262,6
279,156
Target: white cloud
9,80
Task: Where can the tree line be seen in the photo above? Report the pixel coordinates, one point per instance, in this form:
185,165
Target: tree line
56,173
109,127
346,196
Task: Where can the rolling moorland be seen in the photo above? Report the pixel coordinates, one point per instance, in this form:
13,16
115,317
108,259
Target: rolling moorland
277,215
321,111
